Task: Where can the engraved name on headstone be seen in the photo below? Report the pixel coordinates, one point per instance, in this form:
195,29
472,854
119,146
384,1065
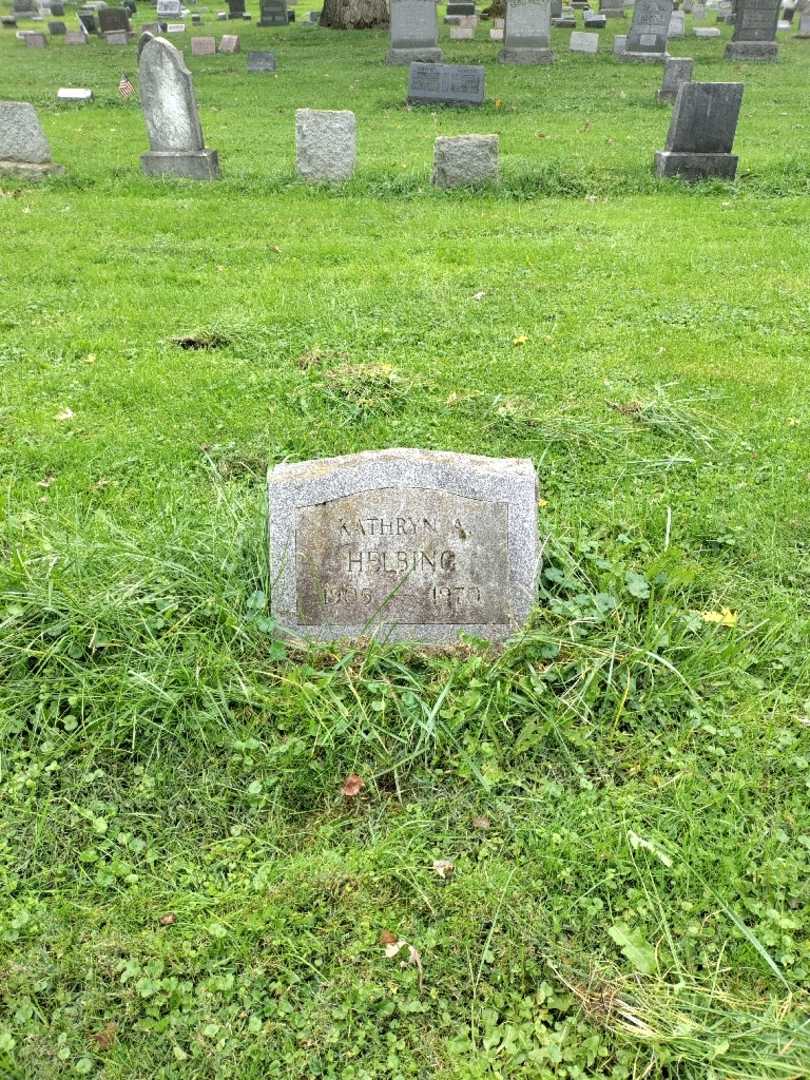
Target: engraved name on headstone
403,544
448,84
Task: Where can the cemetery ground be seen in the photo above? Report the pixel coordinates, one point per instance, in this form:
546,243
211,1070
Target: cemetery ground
585,856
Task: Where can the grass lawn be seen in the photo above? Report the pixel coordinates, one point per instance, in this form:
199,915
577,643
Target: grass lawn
185,892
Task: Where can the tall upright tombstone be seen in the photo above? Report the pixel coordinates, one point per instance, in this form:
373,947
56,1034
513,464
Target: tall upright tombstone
647,38
527,33
407,545
414,33
273,13
701,133
754,36
176,146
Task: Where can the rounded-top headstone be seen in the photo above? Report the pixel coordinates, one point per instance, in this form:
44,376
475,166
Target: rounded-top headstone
21,136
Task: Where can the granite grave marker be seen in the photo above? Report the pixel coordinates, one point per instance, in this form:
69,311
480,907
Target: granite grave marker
677,71
414,33
465,160
701,134
527,33
647,37
325,144
446,84
24,150
409,545
754,36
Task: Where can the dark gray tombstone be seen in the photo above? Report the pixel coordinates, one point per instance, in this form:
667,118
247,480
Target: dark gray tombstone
701,134
754,36
527,33
261,61
176,146
236,9
112,20
57,29
58,10
273,13
647,38
9,22
446,84
414,33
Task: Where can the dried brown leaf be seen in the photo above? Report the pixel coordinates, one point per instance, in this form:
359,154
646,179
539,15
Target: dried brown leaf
352,785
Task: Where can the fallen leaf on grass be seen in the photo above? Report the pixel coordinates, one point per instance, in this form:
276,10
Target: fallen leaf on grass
479,295
724,617
46,481
105,1038
521,340
482,823
387,937
542,502
393,948
498,103
540,135
64,414
352,785
89,359
444,868
635,947
169,919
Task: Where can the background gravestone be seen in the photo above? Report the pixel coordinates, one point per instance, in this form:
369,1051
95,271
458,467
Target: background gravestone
408,545
677,71
274,13
754,36
701,134
445,84
24,150
527,33
647,37
176,146
261,61
111,20
414,33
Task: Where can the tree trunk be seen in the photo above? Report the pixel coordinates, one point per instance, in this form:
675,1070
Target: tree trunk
354,14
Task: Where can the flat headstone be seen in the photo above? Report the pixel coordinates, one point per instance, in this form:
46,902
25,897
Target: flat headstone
677,71
465,160
168,9
57,29
325,144
73,93
706,32
176,146
116,37
446,84
261,61
203,46
593,20
584,43
565,22
701,133
176,28
407,545
8,22
647,37
229,43
24,150
527,33
75,37
414,32
754,36
36,41
619,44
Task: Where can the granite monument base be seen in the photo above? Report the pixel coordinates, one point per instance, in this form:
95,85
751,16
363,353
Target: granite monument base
627,57
190,164
525,56
690,166
404,57
752,50
27,170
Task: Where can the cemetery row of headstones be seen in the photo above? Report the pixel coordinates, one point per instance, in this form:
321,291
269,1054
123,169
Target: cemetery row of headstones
698,145
527,32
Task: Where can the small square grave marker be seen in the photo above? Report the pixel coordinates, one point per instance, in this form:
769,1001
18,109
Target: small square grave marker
584,43
261,61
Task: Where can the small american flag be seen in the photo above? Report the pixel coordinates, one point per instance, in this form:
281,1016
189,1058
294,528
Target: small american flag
125,87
